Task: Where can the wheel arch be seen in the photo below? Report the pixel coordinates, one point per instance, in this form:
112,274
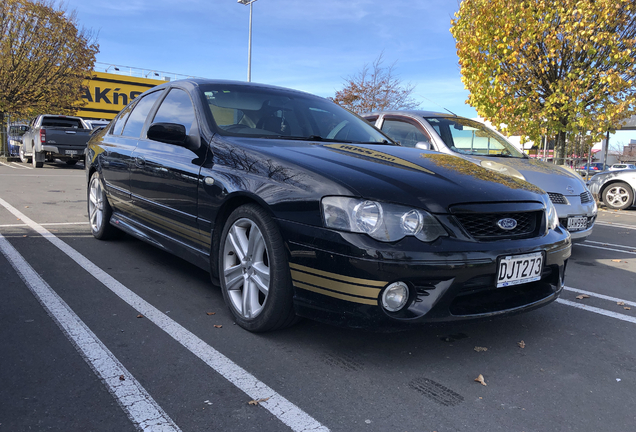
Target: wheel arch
222,215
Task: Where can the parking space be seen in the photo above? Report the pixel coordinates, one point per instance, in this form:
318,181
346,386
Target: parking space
568,366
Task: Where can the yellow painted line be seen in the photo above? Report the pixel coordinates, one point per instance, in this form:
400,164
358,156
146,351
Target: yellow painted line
337,276
342,287
336,295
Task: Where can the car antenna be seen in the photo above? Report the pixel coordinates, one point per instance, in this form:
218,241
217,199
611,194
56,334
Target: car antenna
445,109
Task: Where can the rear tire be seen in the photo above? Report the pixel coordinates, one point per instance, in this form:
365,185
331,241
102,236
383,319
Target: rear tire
99,211
254,271
618,196
34,161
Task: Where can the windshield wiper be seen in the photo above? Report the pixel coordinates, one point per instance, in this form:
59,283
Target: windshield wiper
308,138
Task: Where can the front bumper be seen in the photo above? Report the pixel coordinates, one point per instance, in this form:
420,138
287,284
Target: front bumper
339,277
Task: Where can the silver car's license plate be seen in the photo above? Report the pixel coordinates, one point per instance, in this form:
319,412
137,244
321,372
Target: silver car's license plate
577,223
519,269
70,152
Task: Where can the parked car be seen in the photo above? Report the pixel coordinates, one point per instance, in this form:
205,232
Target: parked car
53,137
94,124
615,189
591,169
474,141
300,208
14,138
622,166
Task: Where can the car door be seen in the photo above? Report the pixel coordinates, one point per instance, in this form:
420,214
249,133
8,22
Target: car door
165,177
118,145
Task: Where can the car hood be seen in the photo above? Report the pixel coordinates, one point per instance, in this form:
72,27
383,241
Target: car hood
407,176
549,177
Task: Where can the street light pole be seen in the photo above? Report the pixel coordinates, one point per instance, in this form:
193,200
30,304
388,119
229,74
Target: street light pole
249,43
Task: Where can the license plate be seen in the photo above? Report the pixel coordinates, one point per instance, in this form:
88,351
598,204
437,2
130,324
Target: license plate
70,152
519,269
577,223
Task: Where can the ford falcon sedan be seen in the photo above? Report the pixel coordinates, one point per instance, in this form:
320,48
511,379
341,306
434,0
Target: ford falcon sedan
474,141
299,208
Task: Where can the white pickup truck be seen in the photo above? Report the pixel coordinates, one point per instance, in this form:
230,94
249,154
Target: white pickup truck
53,137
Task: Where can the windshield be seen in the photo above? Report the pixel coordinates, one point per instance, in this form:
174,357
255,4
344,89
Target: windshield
256,112
466,136
17,130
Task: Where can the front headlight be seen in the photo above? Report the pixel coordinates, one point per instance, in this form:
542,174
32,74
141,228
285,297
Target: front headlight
382,221
553,218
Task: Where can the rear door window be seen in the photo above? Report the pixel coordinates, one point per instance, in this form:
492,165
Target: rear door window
137,117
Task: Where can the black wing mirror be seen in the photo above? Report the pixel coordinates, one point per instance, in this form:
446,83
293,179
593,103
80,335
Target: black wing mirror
169,133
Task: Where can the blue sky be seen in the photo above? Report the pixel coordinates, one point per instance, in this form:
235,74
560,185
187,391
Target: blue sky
307,45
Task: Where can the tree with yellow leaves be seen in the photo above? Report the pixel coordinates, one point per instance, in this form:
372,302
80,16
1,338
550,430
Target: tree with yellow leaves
549,67
44,58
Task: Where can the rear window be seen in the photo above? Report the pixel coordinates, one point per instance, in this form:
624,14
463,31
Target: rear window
62,122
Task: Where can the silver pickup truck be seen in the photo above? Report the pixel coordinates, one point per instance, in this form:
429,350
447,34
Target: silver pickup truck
53,137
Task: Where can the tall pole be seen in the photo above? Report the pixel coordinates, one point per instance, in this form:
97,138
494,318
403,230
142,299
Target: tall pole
249,48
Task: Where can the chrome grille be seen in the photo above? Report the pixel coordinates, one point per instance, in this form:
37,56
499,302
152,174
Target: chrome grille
557,198
586,197
483,226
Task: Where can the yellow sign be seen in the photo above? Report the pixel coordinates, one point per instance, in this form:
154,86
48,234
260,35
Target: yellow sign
107,94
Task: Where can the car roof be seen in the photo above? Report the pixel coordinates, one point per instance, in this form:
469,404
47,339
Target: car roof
413,113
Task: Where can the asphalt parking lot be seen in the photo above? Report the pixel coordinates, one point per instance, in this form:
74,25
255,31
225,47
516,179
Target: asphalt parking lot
120,336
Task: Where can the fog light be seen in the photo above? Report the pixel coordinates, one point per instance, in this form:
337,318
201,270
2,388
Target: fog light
395,296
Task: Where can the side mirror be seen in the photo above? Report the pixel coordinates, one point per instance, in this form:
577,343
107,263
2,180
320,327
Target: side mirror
169,133
424,145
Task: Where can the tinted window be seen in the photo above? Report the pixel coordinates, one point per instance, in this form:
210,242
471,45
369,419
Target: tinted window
406,133
137,117
262,112
121,120
176,108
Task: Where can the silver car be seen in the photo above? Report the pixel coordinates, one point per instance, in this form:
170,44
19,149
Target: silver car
615,189
476,142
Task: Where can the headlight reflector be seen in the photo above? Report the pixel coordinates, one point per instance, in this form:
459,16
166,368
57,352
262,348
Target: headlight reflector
553,219
382,221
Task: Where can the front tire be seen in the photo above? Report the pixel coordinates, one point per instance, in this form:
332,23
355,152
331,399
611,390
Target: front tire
618,196
23,157
254,271
99,211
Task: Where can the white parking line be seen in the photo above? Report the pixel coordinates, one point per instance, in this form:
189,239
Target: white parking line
140,407
601,296
7,165
21,166
600,311
283,409
616,225
631,252
45,224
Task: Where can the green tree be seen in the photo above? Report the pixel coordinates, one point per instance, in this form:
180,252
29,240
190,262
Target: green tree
549,67
375,88
44,57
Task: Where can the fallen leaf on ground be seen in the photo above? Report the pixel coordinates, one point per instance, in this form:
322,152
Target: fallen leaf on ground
521,344
620,303
582,296
627,308
140,316
480,379
217,326
481,349
257,401
210,313
122,378
616,260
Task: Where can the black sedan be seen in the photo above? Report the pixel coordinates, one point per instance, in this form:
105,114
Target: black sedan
298,207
